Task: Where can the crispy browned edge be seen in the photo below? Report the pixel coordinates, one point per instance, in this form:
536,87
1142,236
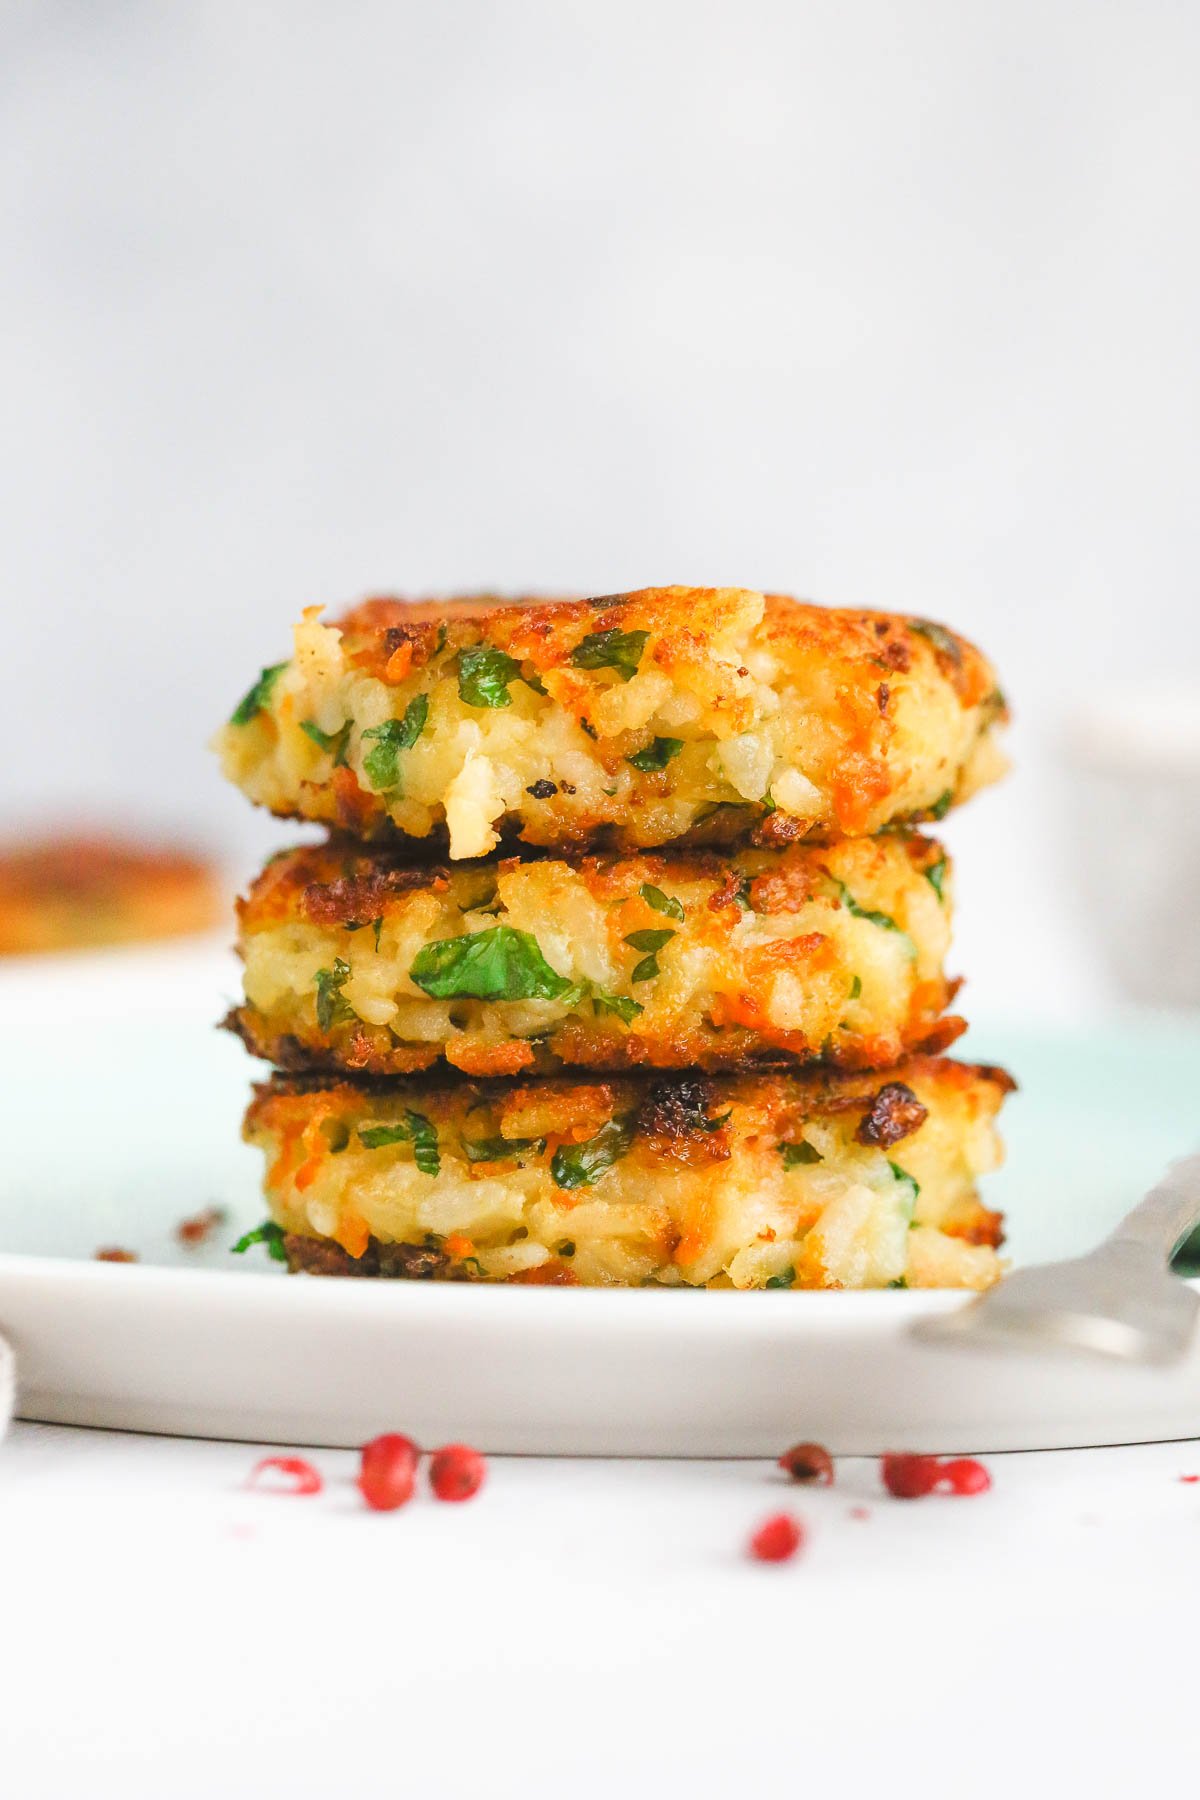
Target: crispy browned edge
406,1262
546,631
676,1110
291,1053
340,881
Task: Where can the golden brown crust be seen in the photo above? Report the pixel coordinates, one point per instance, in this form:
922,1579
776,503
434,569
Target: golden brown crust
567,1106
680,620
696,715
407,1262
78,892
831,952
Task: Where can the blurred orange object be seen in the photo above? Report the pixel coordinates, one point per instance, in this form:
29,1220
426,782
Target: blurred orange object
74,893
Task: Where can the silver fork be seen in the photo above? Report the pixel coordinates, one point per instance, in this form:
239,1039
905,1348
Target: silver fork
1120,1300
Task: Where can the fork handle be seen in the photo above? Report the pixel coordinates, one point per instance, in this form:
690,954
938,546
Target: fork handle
1163,1219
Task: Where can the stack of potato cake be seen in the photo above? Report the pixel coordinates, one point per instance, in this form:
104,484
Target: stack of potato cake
623,961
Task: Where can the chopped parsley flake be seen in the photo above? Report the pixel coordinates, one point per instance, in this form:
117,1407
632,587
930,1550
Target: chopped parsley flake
580,1165
941,639
251,704
415,1129
656,755
335,743
336,1133
650,942
500,1149
270,1234
786,1279
331,1006
798,1156
380,764
500,963
626,1009
663,903
936,875
484,674
619,650
884,920
909,1183
361,925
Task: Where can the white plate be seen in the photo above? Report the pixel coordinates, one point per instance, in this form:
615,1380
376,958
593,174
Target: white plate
122,1108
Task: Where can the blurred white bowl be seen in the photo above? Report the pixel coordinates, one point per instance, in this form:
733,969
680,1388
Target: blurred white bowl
1135,790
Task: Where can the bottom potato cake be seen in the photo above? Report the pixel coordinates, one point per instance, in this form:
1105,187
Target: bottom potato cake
808,1180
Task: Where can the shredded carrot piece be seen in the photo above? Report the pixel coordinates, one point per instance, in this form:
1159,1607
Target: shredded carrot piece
398,663
315,1142
697,1233
281,1168
352,1234
737,1009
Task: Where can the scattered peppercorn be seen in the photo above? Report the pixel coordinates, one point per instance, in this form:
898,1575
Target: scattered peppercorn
389,1471
200,1227
296,1475
909,1477
456,1472
810,1463
963,1475
777,1539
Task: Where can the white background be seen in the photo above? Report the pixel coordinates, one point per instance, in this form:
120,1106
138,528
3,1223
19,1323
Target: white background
882,304
888,304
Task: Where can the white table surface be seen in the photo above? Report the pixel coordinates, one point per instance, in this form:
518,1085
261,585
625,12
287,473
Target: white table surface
590,1628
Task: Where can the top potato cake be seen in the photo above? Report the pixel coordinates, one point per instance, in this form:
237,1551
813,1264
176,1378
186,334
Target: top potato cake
702,716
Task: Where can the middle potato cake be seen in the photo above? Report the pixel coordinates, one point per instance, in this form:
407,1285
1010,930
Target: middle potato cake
357,959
